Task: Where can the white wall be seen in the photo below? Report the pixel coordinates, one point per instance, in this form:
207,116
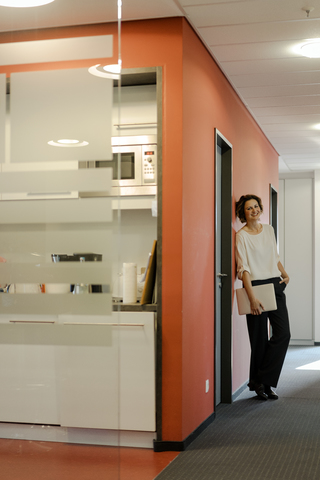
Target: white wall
138,108
317,255
296,221
133,241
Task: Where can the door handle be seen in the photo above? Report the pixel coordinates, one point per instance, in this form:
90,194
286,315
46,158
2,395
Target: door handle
220,275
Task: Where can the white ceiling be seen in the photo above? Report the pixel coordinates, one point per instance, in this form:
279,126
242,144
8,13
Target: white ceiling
254,43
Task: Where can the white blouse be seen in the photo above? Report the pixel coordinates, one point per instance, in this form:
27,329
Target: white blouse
257,254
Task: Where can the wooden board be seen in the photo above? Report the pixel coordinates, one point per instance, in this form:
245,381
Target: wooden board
147,293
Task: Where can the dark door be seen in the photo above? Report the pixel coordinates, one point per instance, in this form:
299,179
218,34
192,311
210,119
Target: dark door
223,270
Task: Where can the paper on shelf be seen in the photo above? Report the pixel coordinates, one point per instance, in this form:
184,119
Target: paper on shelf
129,283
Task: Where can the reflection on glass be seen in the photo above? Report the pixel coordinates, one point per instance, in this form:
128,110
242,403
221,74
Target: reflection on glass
60,348
62,104
127,166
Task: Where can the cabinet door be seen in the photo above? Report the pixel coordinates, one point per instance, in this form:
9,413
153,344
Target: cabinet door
88,375
28,392
111,386
137,371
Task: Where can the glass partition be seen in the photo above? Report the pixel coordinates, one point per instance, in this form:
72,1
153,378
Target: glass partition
78,234
59,339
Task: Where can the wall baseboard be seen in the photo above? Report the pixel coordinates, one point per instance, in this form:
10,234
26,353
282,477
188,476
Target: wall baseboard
171,446
238,392
81,436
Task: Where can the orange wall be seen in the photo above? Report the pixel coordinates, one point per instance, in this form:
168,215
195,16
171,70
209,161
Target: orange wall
209,102
196,99
159,43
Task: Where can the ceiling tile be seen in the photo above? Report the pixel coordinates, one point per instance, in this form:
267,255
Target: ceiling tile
277,65
278,91
288,110
277,128
274,79
283,101
261,32
256,51
232,13
311,119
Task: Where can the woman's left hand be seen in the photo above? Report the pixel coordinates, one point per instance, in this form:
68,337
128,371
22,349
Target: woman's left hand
284,275
285,280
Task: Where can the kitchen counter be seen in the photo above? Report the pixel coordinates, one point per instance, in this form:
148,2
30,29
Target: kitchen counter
133,307
100,384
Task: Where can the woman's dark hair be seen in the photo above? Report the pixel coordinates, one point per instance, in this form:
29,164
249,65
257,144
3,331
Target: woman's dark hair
241,203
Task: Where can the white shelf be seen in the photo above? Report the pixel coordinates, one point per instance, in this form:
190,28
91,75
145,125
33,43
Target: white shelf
133,203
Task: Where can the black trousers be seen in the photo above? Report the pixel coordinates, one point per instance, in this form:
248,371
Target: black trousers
267,355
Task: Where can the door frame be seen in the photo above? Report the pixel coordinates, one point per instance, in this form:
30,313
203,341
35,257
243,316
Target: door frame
226,263
273,209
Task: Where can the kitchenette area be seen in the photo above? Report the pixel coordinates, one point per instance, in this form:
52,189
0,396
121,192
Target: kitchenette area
79,258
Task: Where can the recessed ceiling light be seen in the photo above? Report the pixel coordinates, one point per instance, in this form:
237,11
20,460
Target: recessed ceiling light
112,68
67,142
110,71
311,49
24,3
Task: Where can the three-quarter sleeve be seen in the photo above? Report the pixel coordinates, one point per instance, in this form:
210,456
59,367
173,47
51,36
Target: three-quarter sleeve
241,257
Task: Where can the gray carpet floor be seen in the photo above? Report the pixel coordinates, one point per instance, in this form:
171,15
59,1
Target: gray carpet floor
262,440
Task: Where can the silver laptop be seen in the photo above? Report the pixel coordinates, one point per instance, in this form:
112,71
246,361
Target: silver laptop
264,293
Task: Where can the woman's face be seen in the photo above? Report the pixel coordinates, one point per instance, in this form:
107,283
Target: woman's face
252,210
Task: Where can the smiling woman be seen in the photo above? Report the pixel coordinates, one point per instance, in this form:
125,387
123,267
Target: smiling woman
258,263
24,3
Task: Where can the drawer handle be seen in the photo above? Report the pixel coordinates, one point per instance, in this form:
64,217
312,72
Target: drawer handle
108,324
47,193
32,321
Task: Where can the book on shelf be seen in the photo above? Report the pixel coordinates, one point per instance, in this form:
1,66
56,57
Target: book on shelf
150,281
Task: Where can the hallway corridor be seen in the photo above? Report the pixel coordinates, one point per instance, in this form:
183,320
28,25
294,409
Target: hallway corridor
262,440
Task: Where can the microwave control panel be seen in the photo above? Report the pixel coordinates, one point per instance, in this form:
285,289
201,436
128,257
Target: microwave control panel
149,164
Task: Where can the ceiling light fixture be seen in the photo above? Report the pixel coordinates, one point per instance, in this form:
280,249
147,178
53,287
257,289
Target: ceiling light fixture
311,49
24,3
67,142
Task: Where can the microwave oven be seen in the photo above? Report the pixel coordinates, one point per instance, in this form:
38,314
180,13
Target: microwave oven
133,164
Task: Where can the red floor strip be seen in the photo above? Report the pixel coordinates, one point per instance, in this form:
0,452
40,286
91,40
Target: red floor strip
29,460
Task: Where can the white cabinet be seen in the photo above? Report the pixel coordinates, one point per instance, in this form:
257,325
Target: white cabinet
137,372
103,380
28,381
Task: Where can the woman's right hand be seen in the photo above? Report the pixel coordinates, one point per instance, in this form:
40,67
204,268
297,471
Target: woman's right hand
256,307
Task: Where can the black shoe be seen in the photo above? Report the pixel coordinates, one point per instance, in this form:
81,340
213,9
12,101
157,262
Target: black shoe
259,389
270,393
251,386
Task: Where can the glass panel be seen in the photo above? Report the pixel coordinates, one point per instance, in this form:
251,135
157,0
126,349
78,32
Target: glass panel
63,49
68,111
127,166
2,116
55,182
59,339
